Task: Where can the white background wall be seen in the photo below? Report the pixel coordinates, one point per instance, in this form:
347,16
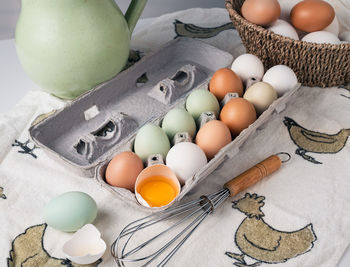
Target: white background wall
9,10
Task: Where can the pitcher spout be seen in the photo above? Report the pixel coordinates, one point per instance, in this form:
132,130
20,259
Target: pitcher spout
133,13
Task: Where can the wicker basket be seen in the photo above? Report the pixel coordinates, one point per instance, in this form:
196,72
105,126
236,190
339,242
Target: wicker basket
322,65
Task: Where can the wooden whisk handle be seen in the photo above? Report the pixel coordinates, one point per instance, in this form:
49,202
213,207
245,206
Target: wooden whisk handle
253,175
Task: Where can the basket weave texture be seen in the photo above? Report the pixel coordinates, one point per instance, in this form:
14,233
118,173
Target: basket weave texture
323,65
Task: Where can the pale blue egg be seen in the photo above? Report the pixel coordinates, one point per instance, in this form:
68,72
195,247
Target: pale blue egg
200,101
70,211
178,120
149,140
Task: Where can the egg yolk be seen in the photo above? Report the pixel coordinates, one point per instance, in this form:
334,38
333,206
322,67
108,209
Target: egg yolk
158,191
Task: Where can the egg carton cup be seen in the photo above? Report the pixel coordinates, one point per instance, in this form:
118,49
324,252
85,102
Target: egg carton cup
90,131
224,154
323,65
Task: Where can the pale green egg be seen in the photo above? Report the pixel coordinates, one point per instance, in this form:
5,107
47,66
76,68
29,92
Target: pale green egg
151,139
178,120
70,211
200,101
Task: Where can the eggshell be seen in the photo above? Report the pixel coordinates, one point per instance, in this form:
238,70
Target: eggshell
213,136
225,81
321,37
178,120
70,211
281,78
156,170
261,12
185,159
248,66
333,27
200,101
261,95
238,114
86,246
123,170
151,139
312,15
283,28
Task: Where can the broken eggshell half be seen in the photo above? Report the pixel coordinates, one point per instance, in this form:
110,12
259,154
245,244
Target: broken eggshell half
158,170
86,246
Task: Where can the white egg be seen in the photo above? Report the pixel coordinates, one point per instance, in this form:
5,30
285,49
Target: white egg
345,36
281,78
248,66
185,159
283,28
321,37
333,27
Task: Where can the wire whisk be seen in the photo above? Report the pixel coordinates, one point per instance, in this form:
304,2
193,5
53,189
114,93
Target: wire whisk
184,219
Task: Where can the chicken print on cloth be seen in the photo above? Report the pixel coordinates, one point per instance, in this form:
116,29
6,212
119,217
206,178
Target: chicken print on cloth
315,142
28,251
260,241
193,31
297,194
2,195
26,147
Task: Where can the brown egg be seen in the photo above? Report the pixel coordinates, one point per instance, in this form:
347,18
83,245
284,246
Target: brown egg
225,81
238,114
123,170
261,12
213,136
312,15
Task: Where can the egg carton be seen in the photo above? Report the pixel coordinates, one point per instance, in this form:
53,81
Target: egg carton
91,130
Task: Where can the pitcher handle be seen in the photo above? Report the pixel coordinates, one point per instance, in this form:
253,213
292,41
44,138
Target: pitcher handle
133,13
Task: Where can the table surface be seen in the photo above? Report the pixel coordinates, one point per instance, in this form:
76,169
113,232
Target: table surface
15,83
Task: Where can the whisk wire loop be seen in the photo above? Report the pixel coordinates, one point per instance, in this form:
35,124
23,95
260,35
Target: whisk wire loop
196,209
203,207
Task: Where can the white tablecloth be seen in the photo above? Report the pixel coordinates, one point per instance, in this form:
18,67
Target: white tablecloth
293,197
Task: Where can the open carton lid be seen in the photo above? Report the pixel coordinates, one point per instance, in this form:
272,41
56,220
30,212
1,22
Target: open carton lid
96,125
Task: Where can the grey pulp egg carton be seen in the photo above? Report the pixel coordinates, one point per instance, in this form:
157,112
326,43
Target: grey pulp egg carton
90,131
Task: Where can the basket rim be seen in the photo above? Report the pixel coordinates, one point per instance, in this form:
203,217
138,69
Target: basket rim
234,14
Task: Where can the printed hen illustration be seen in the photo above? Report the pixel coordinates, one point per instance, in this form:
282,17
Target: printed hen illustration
258,240
192,31
28,251
311,141
2,195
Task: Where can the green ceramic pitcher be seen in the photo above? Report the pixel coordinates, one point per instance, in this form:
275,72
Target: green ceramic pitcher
69,46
